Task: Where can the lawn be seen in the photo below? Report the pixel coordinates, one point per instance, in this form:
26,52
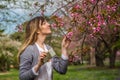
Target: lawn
74,73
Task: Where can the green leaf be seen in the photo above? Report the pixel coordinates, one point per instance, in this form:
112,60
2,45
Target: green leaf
117,44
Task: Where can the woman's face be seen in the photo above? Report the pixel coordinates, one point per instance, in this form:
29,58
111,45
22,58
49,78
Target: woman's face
45,28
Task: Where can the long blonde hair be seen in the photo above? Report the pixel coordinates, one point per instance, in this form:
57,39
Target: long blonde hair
31,33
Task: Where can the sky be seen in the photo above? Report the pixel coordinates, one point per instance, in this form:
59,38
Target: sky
19,15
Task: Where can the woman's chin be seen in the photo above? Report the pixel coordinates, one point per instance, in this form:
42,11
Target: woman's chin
48,33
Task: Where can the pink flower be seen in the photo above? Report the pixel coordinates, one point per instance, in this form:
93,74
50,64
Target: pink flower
91,35
94,20
114,8
61,24
98,28
108,6
118,53
53,25
77,6
20,28
109,16
84,4
69,35
99,17
91,24
99,24
93,28
115,29
104,23
93,1
74,15
42,12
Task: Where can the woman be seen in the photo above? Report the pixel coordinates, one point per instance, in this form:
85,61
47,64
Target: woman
34,50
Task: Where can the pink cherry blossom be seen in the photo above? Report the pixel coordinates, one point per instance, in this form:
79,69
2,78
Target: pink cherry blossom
74,15
69,35
91,24
94,20
113,8
93,1
99,24
42,12
118,53
61,24
53,25
98,28
104,23
108,6
77,6
91,35
20,28
115,29
99,16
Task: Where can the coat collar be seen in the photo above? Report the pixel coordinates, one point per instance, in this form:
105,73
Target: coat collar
41,49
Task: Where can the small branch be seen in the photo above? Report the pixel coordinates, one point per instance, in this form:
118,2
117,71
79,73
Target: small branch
106,44
63,6
60,8
83,42
94,7
36,11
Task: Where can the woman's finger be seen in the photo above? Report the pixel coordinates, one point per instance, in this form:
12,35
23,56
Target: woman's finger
68,42
43,55
64,39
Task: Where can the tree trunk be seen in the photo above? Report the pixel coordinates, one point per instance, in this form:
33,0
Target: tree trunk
92,56
112,58
98,54
99,61
81,59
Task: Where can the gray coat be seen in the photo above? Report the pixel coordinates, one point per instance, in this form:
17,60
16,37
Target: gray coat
29,58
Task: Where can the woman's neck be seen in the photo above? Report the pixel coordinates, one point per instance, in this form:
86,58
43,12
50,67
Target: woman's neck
41,39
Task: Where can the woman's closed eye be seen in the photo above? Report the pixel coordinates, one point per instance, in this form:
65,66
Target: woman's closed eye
44,22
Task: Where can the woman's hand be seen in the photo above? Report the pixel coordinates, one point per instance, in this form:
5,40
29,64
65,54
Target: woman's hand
65,43
40,61
41,58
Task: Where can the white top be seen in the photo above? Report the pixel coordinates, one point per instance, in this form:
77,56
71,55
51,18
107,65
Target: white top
46,71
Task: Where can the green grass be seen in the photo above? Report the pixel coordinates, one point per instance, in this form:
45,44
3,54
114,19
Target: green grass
86,73
74,73
11,75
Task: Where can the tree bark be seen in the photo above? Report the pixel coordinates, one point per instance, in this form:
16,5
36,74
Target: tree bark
112,58
99,61
98,54
92,56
